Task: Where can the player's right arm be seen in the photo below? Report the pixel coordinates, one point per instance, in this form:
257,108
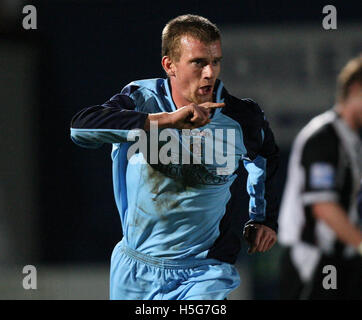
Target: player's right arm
107,123
188,117
112,121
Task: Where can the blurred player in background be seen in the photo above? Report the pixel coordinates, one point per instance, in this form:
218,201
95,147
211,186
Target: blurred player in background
178,241
318,218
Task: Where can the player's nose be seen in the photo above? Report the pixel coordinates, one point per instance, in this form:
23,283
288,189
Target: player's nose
209,71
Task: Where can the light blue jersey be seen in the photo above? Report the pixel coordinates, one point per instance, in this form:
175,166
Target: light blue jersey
177,211
171,217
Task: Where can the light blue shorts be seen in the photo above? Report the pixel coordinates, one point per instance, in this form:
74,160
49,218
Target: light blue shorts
136,276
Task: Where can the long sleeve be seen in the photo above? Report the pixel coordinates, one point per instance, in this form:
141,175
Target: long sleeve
260,161
263,207
110,122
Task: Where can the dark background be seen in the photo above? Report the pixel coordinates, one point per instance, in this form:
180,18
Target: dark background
92,49
89,50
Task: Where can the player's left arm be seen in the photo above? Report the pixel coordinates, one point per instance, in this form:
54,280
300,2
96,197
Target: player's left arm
263,207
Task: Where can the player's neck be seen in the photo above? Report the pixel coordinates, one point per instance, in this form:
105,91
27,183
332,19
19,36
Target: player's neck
177,97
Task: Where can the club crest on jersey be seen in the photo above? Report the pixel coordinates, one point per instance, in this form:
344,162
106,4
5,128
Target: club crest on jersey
322,175
212,149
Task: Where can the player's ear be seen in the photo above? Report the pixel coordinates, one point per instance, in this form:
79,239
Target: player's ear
168,66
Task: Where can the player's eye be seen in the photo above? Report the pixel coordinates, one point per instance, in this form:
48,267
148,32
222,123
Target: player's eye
198,63
216,62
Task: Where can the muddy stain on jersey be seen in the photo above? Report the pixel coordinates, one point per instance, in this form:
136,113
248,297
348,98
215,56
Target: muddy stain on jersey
165,197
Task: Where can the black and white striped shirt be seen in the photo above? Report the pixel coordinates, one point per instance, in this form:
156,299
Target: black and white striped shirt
325,165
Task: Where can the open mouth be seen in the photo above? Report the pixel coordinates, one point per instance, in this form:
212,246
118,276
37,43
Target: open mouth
205,90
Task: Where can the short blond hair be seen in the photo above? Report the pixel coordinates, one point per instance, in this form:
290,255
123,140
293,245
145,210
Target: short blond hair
350,74
195,26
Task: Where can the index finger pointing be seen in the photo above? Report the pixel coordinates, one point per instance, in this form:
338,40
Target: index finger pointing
212,105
